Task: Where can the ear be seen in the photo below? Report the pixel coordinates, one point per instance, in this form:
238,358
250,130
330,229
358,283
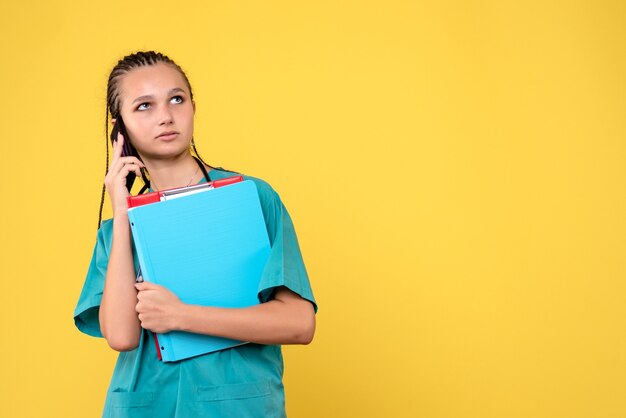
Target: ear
113,121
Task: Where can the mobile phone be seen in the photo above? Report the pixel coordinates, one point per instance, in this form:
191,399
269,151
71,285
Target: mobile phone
127,150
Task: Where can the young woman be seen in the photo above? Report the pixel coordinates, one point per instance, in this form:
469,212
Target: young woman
153,97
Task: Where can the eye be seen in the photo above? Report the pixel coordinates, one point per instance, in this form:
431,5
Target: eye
143,106
177,99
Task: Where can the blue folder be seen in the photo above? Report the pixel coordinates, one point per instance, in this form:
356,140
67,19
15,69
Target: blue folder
210,249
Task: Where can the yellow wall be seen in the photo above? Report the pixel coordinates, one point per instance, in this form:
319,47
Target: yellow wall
455,171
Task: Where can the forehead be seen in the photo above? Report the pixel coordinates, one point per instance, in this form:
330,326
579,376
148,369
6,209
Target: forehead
155,80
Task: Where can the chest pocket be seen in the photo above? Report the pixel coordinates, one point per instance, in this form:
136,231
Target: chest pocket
131,405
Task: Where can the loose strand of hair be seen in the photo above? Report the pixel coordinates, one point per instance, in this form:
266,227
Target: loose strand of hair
106,170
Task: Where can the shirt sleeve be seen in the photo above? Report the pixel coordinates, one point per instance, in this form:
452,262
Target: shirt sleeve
285,265
88,306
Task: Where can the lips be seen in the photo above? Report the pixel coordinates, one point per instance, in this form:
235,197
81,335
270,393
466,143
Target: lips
167,135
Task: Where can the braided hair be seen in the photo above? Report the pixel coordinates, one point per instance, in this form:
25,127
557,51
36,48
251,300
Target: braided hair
123,67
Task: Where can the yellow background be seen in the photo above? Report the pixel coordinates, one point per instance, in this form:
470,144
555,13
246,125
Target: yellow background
455,171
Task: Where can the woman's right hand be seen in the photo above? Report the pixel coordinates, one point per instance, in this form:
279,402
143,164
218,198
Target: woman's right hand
119,323
115,180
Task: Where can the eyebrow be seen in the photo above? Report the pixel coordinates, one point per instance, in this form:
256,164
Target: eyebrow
141,98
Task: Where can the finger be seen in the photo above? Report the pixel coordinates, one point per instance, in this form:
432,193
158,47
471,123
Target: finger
142,307
127,168
124,166
132,159
118,163
118,146
146,286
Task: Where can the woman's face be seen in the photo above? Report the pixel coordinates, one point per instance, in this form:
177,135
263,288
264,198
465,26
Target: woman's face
155,100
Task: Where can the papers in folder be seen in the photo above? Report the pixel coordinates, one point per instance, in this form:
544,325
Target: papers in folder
208,247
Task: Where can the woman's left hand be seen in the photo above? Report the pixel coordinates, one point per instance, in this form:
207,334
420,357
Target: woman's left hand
158,307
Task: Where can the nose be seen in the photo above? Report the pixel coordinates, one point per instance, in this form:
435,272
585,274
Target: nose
165,116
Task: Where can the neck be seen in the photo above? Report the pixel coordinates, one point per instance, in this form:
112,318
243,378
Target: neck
173,173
